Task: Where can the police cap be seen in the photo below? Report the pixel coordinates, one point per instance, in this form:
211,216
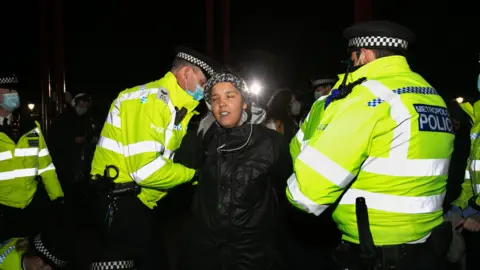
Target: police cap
322,80
378,35
8,80
206,64
53,245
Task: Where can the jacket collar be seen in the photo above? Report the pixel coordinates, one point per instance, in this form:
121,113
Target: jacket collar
383,66
178,96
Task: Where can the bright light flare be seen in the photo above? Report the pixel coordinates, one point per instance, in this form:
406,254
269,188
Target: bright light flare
31,106
459,100
256,88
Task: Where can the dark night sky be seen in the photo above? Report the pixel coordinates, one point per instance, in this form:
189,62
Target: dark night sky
111,45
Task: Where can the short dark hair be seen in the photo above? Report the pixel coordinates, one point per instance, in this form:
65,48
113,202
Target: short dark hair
180,63
379,53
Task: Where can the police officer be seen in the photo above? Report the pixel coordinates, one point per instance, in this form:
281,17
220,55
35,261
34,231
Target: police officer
24,164
386,136
50,249
322,85
466,208
143,129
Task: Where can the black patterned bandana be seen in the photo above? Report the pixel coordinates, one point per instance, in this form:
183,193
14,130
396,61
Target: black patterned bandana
237,81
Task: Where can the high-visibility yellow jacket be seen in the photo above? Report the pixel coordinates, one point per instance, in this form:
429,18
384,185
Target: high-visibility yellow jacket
140,136
471,185
20,163
308,128
389,141
10,257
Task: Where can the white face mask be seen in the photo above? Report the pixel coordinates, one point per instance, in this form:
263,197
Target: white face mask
80,110
318,95
295,107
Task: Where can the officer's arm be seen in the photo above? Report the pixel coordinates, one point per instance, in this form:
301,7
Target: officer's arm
46,170
297,141
328,164
151,169
467,192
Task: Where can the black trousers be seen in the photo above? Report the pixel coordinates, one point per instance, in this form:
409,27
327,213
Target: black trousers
403,257
472,241
16,222
131,235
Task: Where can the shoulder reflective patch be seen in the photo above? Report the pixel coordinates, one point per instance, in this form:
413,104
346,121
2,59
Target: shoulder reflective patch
423,90
33,143
162,94
433,118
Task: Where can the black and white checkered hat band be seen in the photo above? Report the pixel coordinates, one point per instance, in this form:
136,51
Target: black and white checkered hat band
377,42
37,242
319,82
8,80
113,265
204,66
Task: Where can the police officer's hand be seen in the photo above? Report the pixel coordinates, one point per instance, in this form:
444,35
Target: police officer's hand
472,223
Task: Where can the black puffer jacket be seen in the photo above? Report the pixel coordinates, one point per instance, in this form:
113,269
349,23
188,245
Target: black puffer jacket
239,199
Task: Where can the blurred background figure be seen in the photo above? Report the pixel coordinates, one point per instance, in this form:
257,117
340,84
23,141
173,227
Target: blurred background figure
279,113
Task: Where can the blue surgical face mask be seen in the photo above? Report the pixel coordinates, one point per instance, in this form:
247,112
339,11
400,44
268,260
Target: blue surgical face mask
11,101
197,94
478,83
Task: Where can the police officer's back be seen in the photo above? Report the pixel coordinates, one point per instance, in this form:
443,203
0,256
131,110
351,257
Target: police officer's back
385,136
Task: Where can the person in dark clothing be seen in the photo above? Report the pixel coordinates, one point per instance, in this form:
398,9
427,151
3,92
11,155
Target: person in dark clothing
237,205
280,108
72,139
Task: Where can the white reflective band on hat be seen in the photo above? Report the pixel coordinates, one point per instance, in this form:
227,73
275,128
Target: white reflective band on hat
113,117
409,167
24,152
378,41
48,168
394,203
147,170
37,242
5,155
328,168
113,265
17,174
194,60
302,200
467,174
131,149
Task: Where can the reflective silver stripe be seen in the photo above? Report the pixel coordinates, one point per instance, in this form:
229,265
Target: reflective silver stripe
475,165
5,155
476,188
48,168
467,174
408,167
301,200
325,167
113,117
168,154
147,170
131,149
24,152
394,203
17,174
43,153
